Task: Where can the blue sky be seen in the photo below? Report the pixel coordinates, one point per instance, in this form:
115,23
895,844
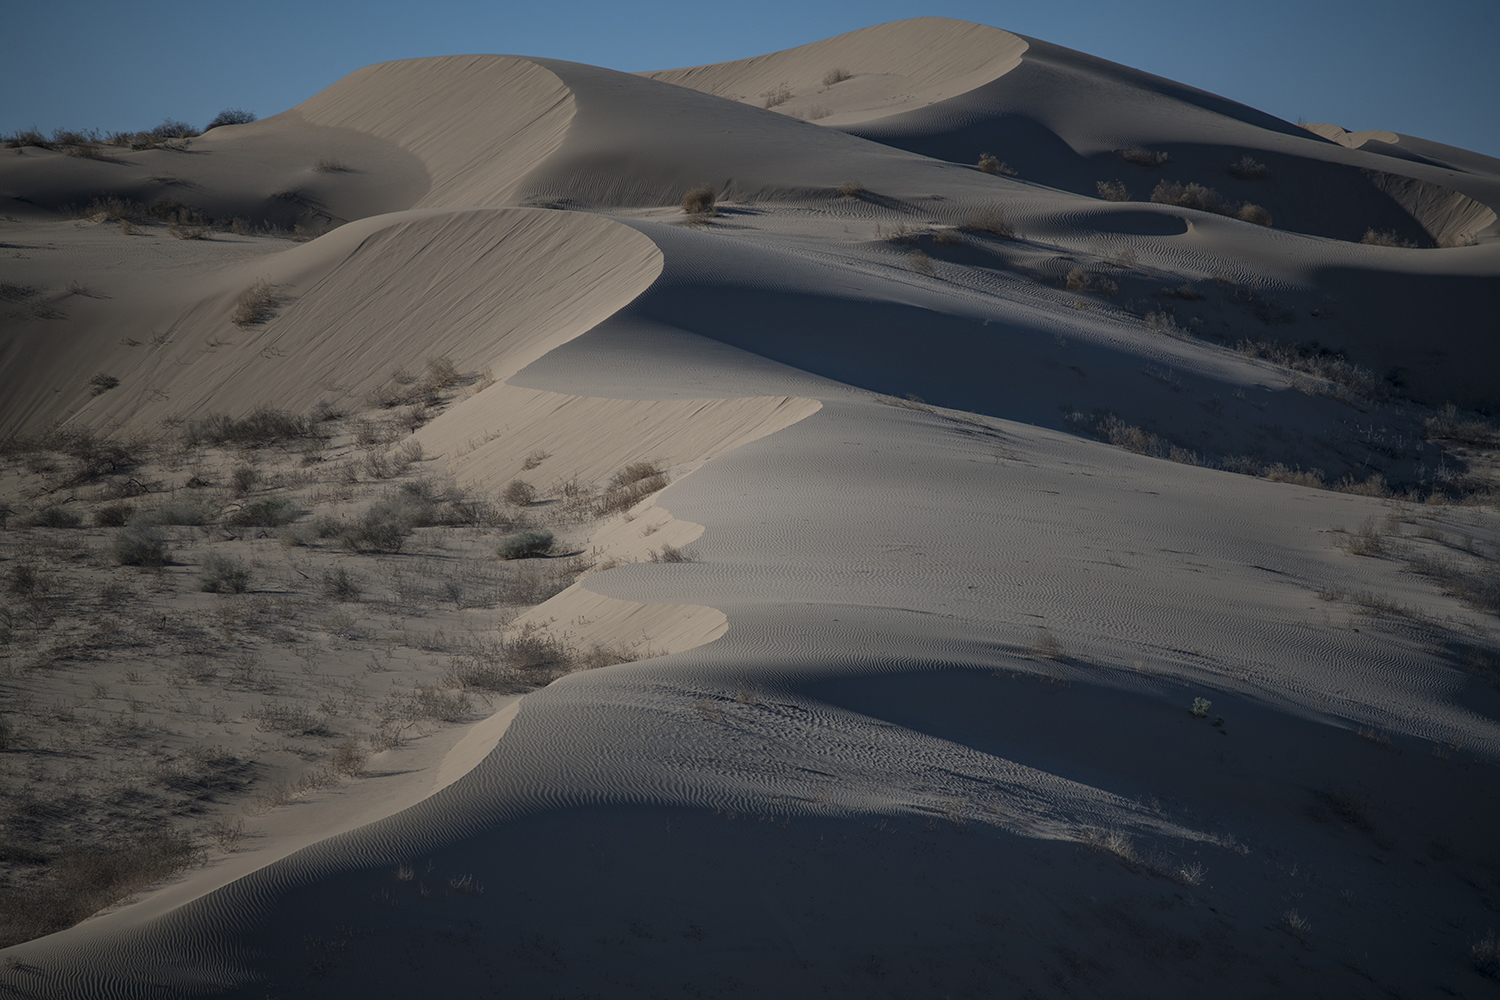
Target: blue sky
1426,70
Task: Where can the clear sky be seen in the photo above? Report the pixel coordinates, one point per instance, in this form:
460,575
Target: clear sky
1424,69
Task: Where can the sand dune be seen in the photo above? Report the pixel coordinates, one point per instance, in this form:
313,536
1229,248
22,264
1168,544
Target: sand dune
1035,594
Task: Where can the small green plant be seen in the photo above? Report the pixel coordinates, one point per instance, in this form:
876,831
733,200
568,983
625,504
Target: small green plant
1200,708
524,545
221,574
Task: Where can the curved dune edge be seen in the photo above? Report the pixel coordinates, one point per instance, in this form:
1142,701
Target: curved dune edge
479,123
493,288
894,67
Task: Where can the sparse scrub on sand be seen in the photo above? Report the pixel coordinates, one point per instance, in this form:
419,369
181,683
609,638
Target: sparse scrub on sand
261,427
270,512
329,165
1248,168
525,545
1113,190
672,554
990,164
1046,646
777,95
1484,955
519,493
991,221
836,75
340,585
1249,212
222,574
700,200
1149,158
1386,238
1206,199
1079,280
851,189
254,304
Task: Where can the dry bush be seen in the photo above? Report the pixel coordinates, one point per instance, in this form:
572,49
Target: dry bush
534,459
1143,157
1248,168
921,264
1484,955
672,554
628,487
264,426
700,200
777,95
1197,196
231,116
1078,280
991,221
138,545
519,493
1334,366
1385,238
1113,191
183,232
851,189
222,574
349,758
328,165
254,304
990,164
101,382
836,75
524,545
1249,212
1046,646
340,585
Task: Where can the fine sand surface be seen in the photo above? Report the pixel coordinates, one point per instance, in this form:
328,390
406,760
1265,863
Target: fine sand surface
1054,591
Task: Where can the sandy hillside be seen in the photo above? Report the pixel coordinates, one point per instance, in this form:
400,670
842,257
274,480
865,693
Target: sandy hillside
1015,526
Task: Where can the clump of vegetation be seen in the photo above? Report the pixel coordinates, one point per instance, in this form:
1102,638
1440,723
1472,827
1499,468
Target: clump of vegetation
1248,168
1113,190
139,545
340,585
418,393
1385,238
270,512
1148,158
836,75
231,116
1079,280
851,189
263,426
328,165
519,493
921,263
525,545
1249,212
1200,708
991,221
254,304
629,486
1206,199
101,382
221,574
701,200
777,95
990,164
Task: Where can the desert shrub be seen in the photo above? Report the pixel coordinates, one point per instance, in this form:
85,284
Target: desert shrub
1046,646
1143,157
671,554
24,580
836,75
191,509
271,512
1248,168
921,264
1200,708
56,517
1319,361
990,164
328,165
138,545
851,188
1253,213
231,116
221,574
1385,238
340,585
254,304
1113,190
101,382
294,720
519,493
349,758
634,473
700,200
990,220
777,95
1187,196
385,525
113,515
524,544
242,479
1484,955
185,232
263,426
27,137
624,495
